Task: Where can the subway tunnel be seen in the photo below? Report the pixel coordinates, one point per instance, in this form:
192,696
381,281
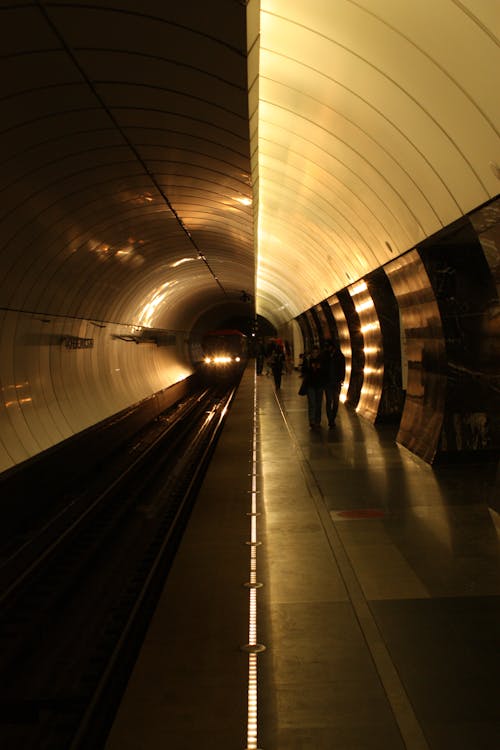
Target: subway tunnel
322,169
333,165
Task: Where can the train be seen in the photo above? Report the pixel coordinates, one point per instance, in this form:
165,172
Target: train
224,348
224,354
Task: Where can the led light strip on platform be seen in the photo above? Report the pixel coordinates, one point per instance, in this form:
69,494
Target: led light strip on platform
253,648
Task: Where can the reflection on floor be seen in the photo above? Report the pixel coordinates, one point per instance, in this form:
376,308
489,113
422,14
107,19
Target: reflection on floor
379,609
383,588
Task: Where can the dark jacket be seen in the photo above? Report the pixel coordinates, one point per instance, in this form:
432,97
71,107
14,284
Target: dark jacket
333,362
313,370
277,360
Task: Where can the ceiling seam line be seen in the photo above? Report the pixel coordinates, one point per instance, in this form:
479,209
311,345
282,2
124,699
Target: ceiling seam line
150,17
406,92
433,60
389,121
377,143
21,311
134,151
366,183
356,197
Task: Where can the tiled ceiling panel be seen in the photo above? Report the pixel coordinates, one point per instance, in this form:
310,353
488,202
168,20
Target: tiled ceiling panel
125,159
374,124
131,148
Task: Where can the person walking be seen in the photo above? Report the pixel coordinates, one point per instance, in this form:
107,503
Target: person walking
277,362
313,374
259,357
333,364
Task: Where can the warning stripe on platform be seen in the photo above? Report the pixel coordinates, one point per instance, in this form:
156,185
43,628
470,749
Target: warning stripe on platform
359,514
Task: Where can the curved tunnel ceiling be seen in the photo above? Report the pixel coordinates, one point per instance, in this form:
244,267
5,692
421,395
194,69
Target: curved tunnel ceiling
374,124
127,130
126,189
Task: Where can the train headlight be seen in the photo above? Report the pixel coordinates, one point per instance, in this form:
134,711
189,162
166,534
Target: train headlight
208,360
237,359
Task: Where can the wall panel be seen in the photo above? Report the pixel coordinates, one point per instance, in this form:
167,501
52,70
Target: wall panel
392,397
422,419
59,376
344,341
466,295
357,344
367,335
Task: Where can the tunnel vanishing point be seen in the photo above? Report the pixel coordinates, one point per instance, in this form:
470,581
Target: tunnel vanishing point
331,166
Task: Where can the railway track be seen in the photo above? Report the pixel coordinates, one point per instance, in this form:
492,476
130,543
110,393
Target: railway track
77,597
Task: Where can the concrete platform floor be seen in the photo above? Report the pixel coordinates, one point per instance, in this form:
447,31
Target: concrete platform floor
379,607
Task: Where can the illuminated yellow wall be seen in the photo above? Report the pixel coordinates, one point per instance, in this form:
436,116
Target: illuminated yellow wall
374,124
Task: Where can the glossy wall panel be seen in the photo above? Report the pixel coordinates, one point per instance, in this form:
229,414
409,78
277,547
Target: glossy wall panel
374,333
357,344
313,327
314,312
487,225
367,336
466,294
391,400
307,334
59,376
330,321
344,341
425,353
421,338
324,323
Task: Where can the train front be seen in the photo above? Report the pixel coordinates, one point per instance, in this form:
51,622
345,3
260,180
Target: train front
225,354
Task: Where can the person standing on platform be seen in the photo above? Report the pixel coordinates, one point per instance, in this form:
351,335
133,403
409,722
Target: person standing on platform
276,363
259,357
333,363
313,373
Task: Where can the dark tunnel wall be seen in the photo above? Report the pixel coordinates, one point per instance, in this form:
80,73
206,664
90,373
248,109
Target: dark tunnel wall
126,207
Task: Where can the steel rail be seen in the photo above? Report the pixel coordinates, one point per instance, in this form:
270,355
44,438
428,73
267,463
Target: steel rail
90,729
65,535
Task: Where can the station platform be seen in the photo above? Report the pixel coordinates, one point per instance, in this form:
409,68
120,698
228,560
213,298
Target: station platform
331,592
